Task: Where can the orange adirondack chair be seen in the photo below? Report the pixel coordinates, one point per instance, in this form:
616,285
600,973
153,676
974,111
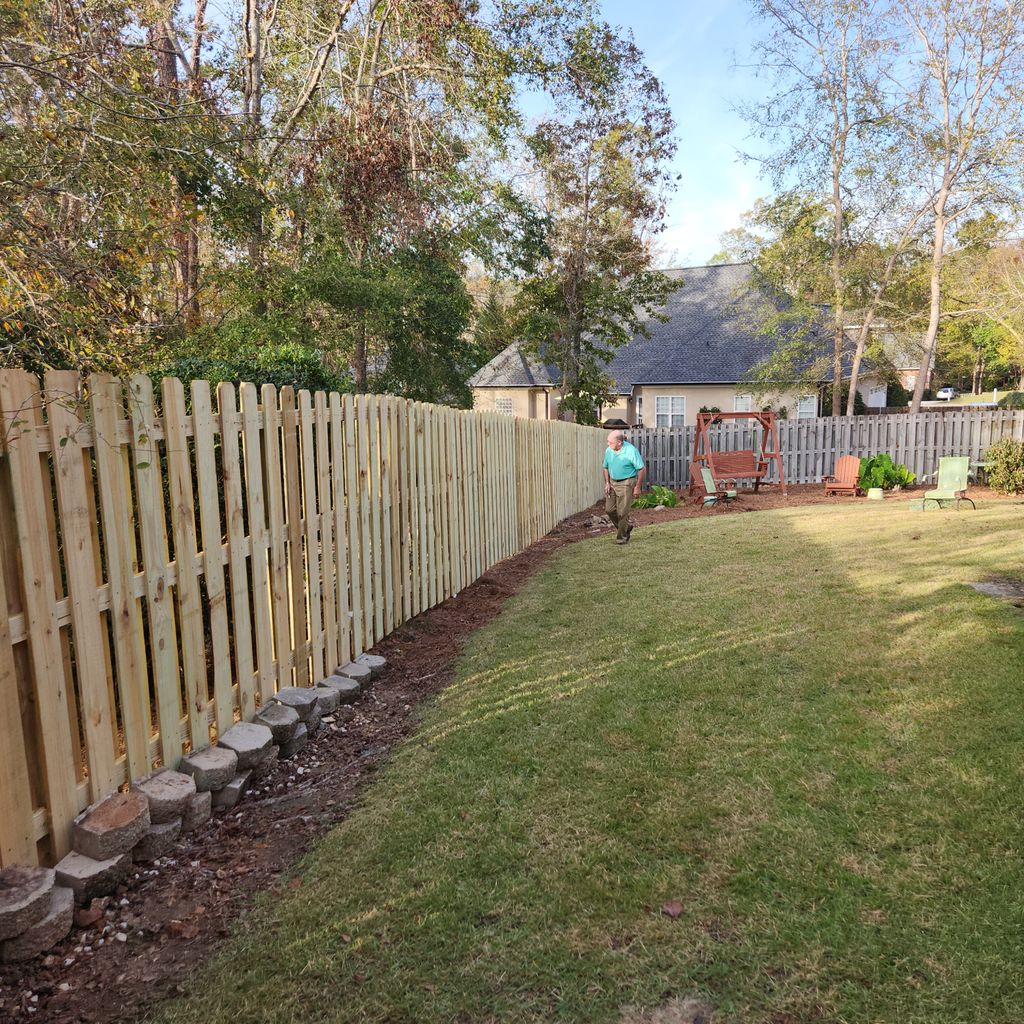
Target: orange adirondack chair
844,480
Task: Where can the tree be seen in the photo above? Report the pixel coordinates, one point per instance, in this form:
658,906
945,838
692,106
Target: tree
961,112
602,180
821,53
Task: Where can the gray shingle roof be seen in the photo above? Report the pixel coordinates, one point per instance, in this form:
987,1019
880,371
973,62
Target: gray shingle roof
711,337
510,368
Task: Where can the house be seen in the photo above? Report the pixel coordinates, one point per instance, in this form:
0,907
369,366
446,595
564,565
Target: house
698,357
903,350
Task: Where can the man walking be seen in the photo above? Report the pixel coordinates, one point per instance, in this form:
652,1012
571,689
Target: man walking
623,480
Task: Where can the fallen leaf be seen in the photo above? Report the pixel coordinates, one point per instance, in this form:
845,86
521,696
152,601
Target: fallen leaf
88,916
672,909
295,883
183,929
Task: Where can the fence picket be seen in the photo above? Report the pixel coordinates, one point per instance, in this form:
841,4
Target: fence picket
299,621
77,517
186,556
213,553
116,509
238,556
155,559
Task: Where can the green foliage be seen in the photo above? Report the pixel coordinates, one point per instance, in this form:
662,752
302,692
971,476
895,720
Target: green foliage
710,408
1013,400
287,364
1007,471
859,408
657,495
602,169
881,471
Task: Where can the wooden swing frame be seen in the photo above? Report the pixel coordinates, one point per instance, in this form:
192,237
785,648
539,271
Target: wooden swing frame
738,465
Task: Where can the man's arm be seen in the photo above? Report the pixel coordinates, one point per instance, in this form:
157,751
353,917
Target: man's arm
607,482
639,481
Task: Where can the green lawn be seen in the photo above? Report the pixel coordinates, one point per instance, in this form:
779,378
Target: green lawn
800,725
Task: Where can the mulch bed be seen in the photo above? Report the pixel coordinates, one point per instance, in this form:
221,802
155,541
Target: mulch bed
177,911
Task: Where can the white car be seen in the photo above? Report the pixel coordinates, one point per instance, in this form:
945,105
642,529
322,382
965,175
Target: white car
946,394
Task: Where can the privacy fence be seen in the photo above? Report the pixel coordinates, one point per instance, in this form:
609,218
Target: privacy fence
168,563
810,447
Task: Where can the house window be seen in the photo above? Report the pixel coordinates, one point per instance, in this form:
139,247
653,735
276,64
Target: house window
670,411
806,407
876,396
503,404
743,403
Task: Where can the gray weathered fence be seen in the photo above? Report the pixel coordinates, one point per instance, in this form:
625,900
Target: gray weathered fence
810,447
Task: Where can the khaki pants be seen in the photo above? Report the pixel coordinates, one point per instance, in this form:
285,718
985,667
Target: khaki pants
617,505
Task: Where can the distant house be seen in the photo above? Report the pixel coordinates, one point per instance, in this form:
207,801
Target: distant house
698,357
903,350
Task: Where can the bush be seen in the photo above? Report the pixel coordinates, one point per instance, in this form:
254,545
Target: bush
288,363
1006,474
656,496
881,471
1013,400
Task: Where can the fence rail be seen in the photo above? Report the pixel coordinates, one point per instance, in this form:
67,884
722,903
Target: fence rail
810,447
166,567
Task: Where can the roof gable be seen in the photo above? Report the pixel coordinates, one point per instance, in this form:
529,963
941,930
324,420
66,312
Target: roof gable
710,336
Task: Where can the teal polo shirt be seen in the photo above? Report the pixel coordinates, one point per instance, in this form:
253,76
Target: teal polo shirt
624,463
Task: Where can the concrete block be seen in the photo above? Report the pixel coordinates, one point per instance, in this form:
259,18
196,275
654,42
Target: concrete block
296,743
229,795
261,768
280,719
88,878
212,767
168,793
301,698
45,933
158,841
313,722
374,662
327,699
111,826
353,670
249,740
24,898
198,812
347,689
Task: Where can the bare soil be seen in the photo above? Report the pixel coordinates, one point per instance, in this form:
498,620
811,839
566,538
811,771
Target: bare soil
173,914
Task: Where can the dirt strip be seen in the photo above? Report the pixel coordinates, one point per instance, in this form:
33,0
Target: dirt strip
177,911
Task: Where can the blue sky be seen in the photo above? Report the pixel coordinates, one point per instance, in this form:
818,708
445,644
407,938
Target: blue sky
690,46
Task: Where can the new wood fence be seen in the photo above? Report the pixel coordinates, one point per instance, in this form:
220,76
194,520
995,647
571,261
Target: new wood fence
810,447
165,568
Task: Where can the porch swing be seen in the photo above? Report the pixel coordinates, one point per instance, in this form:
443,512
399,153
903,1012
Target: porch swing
745,464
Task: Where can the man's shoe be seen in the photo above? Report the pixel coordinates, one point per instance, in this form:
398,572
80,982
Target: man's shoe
621,540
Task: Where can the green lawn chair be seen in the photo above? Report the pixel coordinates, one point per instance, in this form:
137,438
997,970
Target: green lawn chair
952,482
713,493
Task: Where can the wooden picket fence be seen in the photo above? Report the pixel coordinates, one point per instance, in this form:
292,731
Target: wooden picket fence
810,447
166,567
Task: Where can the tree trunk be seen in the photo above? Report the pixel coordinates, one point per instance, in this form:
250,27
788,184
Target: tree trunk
858,354
928,346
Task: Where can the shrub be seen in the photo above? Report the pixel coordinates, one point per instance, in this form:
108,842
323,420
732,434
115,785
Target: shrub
1013,400
881,471
656,496
1006,474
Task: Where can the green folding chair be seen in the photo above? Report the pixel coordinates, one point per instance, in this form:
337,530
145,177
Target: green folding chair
713,493
951,485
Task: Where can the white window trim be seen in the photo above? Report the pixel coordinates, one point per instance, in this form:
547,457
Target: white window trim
503,405
749,402
801,398
671,399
